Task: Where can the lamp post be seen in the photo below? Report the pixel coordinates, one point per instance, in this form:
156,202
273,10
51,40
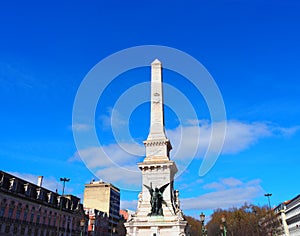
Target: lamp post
221,229
268,195
113,230
202,219
93,222
223,225
64,180
82,224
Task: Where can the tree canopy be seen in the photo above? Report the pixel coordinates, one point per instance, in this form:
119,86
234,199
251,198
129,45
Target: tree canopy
247,220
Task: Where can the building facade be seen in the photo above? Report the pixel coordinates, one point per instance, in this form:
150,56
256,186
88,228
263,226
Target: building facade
29,209
104,197
292,213
290,216
97,222
126,214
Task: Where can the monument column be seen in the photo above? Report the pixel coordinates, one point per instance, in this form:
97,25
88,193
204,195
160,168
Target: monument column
157,109
157,145
158,211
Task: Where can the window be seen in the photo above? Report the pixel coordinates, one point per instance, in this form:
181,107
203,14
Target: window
10,212
22,230
25,215
3,207
2,210
15,229
18,213
31,216
7,228
38,219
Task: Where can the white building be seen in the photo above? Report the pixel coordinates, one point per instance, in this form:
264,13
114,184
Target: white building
290,216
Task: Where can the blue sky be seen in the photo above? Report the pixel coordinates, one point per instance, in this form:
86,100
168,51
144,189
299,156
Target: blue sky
251,49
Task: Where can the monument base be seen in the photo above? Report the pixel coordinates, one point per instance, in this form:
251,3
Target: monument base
156,226
171,222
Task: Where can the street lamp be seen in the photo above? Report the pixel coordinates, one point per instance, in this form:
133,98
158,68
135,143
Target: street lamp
268,195
202,219
221,229
223,225
64,180
93,222
113,231
82,224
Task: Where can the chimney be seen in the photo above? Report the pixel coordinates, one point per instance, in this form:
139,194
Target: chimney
40,181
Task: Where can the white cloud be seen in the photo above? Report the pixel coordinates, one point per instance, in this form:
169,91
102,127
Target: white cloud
131,205
231,182
113,163
224,184
116,163
240,136
214,185
80,127
105,156
114,118
126,177
193,140
229,192
287,131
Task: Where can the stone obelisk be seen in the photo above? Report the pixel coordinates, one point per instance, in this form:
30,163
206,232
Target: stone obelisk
157,145
158,211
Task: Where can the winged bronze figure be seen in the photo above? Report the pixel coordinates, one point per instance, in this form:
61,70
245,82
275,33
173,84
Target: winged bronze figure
156,199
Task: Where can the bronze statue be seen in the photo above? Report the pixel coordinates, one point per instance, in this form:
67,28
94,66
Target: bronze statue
156,199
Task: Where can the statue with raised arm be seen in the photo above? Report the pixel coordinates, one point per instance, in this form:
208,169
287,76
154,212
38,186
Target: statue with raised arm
156,199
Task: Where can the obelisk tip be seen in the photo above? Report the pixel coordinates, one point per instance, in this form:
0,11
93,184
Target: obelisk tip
156,61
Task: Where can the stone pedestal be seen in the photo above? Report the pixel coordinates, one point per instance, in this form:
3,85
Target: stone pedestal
157,173
157,227
172,221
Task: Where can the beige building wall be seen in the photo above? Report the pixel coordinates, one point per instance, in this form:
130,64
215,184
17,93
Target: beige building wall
97,195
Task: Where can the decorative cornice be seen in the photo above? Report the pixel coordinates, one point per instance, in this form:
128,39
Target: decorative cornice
151,143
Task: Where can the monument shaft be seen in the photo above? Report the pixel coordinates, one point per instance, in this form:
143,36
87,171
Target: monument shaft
157,145
157,110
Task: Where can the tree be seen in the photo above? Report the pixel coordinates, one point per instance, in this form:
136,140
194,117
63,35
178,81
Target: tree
248,220
194,226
